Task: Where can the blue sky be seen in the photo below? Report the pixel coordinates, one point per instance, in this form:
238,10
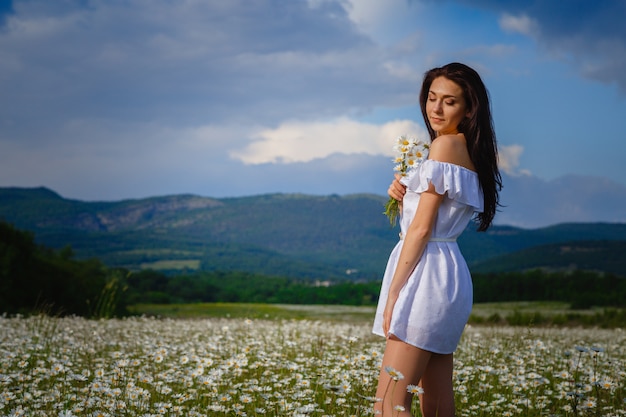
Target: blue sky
107,100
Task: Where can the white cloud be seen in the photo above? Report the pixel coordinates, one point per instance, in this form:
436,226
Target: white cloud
297,141
404,71
370,15
508,159
387,22
522,24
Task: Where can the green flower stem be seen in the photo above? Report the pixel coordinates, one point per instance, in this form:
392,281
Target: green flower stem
392,211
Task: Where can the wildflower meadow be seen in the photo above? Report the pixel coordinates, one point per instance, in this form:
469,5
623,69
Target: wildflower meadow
143,366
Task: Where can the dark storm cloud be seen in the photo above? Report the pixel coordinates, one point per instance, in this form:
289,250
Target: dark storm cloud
185,63
590,35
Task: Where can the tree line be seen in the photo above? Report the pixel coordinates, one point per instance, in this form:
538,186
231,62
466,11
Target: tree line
582,289
153,287
34,278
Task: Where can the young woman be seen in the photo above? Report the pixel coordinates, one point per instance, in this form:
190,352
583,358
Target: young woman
426,294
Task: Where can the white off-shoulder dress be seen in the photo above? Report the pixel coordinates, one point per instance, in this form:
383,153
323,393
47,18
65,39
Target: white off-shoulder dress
435,303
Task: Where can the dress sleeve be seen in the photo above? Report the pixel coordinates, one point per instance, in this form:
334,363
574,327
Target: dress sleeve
459,183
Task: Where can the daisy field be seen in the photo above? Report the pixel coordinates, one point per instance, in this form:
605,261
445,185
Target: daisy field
144,366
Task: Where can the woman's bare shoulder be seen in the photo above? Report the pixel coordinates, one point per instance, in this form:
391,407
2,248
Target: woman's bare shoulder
447,146
451,149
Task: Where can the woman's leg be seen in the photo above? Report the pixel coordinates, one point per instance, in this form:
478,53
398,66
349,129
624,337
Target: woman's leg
412,363
438,397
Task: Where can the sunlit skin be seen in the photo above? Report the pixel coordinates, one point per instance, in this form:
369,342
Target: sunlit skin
445,107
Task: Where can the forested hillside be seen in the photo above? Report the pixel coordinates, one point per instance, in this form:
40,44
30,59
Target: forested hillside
599,256
293,235
36,279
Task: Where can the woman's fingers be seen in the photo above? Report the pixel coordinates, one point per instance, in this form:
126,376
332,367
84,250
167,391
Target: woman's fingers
396,189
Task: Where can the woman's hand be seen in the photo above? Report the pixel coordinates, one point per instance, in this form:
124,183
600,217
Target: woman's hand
396,190
391,302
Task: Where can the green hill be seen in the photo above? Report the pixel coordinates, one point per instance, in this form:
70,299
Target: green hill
317,237
600,255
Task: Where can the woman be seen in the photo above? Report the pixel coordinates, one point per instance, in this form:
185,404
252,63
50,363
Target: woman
426,295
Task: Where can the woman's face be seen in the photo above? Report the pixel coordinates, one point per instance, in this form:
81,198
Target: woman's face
445,106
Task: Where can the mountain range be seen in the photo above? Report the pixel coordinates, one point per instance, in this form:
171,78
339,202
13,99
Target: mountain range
528,201
295,235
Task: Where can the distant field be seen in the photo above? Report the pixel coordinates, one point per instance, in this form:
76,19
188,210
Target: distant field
548,308
257,311
193,264
244,310
484,312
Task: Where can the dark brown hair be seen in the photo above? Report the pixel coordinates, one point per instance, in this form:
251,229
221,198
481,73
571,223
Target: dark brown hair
478,130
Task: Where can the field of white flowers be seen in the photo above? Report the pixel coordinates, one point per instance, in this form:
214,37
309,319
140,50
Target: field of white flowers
222,367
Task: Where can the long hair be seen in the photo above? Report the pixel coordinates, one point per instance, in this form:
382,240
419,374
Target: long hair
478,130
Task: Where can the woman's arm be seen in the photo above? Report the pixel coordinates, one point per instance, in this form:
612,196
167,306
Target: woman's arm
415,241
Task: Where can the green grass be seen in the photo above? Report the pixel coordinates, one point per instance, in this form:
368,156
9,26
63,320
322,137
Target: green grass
159,252
542,313
335,312
507,313
257,311
172,264
548,308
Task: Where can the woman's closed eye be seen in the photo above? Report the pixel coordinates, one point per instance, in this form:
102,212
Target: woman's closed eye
446,102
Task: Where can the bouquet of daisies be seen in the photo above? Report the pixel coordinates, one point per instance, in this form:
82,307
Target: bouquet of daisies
410,153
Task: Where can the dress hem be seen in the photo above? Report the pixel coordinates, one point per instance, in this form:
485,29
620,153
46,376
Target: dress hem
416,346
